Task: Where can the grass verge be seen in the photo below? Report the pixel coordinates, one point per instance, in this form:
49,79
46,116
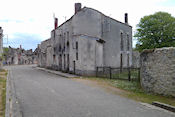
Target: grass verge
3,75
133,90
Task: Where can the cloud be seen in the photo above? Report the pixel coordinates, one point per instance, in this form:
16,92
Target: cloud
8,20
33,19
28,41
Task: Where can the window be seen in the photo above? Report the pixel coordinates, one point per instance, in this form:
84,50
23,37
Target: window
76,50
76,45
60,61
54,58
121,62
121,41
67,45
54,49
64,61
76,55
67,35
128,42
59,47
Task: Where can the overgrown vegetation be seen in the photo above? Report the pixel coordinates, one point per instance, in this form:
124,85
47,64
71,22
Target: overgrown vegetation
155,31
5,53
3,75
133,90
134,74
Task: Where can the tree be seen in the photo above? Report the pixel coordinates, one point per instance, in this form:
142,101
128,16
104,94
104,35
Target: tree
155,31
5,52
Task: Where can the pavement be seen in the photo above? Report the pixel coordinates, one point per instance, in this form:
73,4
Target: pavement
41,94
67,75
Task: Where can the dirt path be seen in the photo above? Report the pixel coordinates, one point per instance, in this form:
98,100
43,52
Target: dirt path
102,84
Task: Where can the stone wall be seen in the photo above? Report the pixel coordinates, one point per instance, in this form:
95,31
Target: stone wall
135,59
158,71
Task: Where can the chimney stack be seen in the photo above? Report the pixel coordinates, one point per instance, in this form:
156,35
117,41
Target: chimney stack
1,31
20,47
56,23
126,18
77,7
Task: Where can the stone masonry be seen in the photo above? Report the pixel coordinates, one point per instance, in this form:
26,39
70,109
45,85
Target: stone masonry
87,40
135,59
1,46
20,56
158,71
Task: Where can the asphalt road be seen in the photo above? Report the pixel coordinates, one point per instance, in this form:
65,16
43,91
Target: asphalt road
42,94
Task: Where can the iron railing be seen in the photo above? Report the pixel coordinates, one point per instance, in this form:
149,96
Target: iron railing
130,73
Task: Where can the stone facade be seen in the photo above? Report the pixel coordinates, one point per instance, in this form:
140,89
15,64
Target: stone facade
158,71
87,40
1,47
19,56
1,41
135,59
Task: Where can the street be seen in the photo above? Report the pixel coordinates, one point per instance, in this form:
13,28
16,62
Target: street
42,94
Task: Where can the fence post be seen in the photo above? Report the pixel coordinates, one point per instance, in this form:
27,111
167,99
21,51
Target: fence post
110,76
97,72
129,74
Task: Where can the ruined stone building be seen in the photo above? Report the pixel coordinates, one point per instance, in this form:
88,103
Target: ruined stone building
1,41
1,47
87,40
19,56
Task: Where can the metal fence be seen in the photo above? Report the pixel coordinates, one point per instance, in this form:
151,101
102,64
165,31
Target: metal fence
130,74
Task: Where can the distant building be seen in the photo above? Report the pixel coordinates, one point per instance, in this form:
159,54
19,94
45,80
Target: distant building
1,41
19,56
1,47
87,40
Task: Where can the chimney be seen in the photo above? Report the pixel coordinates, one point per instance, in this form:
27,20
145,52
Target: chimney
126,18
56,23
77,7
1,31
20,47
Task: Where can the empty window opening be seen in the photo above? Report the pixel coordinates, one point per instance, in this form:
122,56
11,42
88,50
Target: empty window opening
67,35
67,62
67,45
76,45
76,55
121,62
121,41
54,58
128,42
60,62
64,61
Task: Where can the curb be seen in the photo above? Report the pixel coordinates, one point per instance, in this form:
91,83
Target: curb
12,104
164,106
66,75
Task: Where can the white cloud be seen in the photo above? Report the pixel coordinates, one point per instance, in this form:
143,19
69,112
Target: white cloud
36,16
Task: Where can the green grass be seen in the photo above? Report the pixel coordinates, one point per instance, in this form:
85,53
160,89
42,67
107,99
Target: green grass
2,93
134,75
2,70
134,91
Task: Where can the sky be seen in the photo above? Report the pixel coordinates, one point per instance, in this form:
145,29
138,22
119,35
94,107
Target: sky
28,22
